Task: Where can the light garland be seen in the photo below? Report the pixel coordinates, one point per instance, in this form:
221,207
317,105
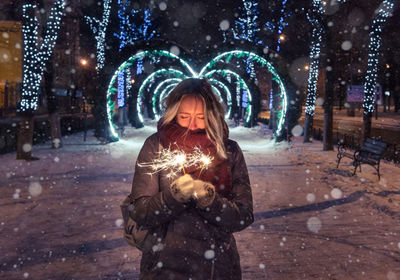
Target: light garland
315,18
316,39
99,29
35,57
246,27
121,89
282,24
129,31
375,38
128,80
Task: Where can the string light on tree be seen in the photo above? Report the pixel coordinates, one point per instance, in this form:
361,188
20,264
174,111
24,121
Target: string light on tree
375,37
121,89
282,24
316,38
246,27
99,29
129,31
35,57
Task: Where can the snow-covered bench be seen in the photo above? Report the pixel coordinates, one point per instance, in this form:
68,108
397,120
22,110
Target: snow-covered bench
371,152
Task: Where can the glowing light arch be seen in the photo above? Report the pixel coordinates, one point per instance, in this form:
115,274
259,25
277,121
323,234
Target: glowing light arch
207,72
167,84
150,80
242,84
226,57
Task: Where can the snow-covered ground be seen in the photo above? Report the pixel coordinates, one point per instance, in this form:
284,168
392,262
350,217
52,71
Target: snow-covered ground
60,216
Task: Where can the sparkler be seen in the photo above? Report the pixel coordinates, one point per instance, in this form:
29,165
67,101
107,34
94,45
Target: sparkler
177,160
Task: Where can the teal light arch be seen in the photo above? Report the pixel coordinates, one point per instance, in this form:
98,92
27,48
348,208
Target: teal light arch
240,82
165,79
159,92
226,57
228,95
150,80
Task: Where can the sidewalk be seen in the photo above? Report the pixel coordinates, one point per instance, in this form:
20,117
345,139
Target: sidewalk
61,217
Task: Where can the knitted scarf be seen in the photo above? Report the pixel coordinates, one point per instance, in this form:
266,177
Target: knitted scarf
218,173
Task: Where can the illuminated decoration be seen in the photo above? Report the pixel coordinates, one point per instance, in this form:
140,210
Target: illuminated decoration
261,62
128,80
238,93
165,92
246,26
161,82
121,89
250,68
35,57
111,91
139,66
240,85
129,31
99,30
316,39
282,24
277,29
315,18
227,92
150,81
159,95
375,39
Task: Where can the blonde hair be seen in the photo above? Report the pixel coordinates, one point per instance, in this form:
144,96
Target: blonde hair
215,126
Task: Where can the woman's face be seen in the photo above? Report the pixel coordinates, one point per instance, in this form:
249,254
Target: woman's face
191,113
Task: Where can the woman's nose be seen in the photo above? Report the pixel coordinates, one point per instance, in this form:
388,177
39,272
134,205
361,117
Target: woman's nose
193,124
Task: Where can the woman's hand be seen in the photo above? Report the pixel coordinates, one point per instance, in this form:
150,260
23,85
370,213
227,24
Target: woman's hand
203,193
182,188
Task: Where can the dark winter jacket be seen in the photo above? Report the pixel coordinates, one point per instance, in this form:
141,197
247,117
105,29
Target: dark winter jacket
186,242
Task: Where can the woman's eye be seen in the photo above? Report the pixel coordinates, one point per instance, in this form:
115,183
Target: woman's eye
183,117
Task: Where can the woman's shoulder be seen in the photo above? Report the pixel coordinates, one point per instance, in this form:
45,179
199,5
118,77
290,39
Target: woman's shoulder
152,141
154,138
232,147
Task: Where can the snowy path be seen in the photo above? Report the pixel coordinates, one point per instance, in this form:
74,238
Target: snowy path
60,215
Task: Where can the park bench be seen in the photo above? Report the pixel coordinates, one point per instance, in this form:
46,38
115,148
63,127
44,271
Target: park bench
371,152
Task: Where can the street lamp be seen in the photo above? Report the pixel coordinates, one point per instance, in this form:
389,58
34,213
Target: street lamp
83,62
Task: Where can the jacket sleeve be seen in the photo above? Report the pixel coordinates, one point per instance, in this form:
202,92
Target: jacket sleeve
236,213
152,206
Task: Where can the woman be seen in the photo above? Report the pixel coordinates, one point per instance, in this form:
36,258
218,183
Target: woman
191,217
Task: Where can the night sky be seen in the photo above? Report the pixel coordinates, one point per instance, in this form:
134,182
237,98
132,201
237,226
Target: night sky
194,27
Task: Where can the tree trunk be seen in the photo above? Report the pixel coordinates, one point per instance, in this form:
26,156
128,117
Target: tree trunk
55,127
25,138
308,125
328,128
328,113
366,130
271,117
52,106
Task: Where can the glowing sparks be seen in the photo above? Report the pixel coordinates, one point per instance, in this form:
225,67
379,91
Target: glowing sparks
176,161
